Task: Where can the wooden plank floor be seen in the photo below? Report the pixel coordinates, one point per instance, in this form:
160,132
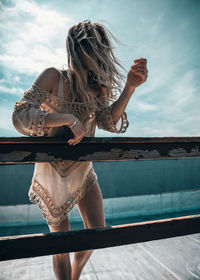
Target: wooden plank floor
169,259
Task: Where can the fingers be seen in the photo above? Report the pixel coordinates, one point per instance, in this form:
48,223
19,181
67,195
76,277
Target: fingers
139,69
75,141
141,59
140,62
140,66
79,132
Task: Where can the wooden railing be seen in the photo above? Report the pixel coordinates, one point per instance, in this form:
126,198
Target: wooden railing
43,149
29,150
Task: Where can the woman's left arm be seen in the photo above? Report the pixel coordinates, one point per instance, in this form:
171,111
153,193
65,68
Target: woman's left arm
113,118
136,76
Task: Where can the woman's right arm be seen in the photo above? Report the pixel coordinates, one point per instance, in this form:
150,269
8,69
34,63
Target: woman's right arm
55,120
30,120
59,119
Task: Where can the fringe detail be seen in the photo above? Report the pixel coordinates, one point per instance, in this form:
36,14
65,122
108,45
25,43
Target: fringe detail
105,121
39,129
20,105
80,109
124,124
57,103
55,215
45,102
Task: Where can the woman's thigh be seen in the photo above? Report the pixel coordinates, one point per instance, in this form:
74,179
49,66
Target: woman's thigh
91,208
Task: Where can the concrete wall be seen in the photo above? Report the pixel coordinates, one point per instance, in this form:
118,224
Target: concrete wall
117,179
133,191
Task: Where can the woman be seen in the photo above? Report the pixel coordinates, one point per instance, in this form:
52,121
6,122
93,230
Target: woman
71,104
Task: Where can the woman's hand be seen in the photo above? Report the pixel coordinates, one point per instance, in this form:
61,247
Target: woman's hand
79,132
138,73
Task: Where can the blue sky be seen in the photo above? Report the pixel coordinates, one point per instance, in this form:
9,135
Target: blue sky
166,32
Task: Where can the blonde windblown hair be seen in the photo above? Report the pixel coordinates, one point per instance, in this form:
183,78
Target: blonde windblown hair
93,41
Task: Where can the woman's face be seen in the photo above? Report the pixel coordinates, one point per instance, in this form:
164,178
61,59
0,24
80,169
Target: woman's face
85,61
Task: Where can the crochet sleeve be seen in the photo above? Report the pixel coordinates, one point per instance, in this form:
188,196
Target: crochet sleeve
27,116
104,121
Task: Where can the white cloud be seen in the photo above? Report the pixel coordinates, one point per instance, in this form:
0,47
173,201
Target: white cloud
6,119
15,91
33,37
182,98
6,87
142,106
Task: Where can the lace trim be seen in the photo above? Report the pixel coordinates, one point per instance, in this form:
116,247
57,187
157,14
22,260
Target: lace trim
105,121
21,105
44,101
124,123
42,96
78,108
37,128
55,215
65,168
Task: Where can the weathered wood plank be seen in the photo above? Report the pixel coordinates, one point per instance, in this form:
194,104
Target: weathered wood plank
128,262
72,241
186,266
27,269
35,140
43,149
36,268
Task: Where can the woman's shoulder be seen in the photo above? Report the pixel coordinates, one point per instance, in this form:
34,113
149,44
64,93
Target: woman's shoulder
48,79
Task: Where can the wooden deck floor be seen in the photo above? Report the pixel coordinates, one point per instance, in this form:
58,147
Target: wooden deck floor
169,259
